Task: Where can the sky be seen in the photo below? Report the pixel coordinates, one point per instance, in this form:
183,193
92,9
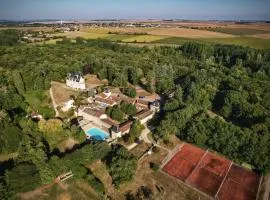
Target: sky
135,9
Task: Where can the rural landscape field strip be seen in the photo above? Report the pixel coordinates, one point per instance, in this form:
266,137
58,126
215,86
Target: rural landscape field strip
213,175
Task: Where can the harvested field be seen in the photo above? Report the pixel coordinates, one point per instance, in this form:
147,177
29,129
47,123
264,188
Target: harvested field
188,33
213,174
263,36
239,31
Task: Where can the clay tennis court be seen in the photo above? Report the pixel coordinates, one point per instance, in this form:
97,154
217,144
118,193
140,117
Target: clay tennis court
215,169
212,174
240,184
184,162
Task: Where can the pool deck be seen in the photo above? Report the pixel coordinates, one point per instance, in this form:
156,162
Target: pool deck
88,125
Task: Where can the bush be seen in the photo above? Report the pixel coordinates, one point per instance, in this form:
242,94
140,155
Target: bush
131,92
155,149
95,183
154,166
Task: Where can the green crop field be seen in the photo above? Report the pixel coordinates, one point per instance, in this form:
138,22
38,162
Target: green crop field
118,37
144,38
242,41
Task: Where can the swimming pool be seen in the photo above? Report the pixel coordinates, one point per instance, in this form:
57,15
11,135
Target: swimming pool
97,134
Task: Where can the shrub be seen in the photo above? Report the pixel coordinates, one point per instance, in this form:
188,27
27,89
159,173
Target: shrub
95,183
154,166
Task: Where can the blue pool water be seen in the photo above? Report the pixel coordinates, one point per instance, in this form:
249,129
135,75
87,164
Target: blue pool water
97,134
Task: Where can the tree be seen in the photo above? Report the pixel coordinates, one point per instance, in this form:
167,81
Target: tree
10,138
128,108
115,113
120,80
122,165
151,81
18,82
131,92
135,130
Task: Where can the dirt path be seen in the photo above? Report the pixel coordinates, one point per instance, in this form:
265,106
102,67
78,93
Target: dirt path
54,104
266,188
144,135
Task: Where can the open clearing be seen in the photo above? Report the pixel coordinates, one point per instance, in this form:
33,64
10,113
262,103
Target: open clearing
70,190
162,185
61,93
91,81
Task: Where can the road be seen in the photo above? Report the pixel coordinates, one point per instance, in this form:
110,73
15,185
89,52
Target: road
54,104
266,189
144,135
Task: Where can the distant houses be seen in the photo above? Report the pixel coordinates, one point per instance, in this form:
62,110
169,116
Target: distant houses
75,80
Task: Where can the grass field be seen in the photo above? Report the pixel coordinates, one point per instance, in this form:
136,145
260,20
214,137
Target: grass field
118,37
188,33
40,102
144,38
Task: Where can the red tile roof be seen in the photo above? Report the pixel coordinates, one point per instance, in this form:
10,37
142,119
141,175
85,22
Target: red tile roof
106,101
139,101
110,121
143,114
125,126
102,95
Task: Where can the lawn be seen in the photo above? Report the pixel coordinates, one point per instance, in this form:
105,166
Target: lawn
40,102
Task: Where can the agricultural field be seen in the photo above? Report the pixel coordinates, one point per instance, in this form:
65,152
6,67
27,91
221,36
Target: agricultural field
188,33
241,41
252,35
239,31
144,38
